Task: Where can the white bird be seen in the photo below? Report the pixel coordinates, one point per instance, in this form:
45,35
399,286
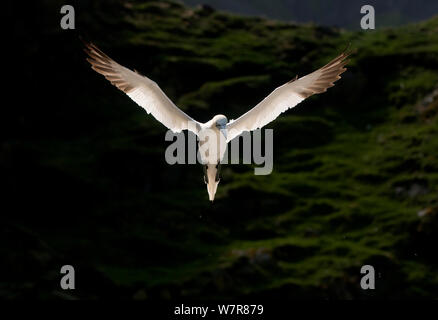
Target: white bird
149,96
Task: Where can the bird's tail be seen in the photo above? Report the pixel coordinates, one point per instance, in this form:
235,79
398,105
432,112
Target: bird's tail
211,178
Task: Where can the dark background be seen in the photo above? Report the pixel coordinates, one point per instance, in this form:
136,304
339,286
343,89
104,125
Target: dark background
340,13
84,180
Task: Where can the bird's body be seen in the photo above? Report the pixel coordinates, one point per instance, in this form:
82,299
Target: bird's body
216,133
212,146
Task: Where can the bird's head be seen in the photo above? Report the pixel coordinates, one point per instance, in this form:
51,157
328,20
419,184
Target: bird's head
220,121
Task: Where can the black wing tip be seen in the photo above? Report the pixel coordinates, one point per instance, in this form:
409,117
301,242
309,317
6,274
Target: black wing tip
89,48
348,50
87,45
95,53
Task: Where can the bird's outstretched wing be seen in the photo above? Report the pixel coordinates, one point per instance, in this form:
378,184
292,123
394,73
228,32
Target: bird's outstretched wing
288,96
142,90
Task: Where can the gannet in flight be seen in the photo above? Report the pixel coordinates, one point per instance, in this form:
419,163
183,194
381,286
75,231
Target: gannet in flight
149,96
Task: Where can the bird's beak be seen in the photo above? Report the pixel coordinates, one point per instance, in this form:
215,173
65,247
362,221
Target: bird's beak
222,129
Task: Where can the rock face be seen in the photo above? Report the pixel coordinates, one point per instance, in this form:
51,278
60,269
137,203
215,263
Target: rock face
84,181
